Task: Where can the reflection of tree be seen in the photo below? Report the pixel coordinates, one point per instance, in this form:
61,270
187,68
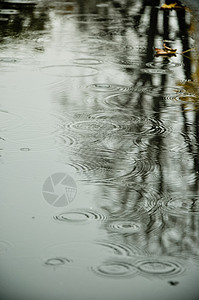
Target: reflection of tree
136,167
27,19
120,167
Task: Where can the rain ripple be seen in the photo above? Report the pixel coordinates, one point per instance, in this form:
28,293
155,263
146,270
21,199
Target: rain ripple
93,126
169,92
88,253
57,261
94,19
181,205
69,70
128,64
128,227
162,64
115,269
83,167
148,267
102,172
115,248
140,211
83,18
108,88
155,71
159,267
123,101
87,61
142,167
80,216
133,123
135,50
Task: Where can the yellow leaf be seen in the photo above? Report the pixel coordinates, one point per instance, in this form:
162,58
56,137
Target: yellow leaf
171,6
170,50
166,51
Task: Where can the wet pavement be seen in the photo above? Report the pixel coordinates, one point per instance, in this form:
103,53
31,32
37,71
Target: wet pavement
99,151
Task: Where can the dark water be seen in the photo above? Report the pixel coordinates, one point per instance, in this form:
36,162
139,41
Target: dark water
99,151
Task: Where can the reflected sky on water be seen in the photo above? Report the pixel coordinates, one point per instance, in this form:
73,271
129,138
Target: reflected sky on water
99,151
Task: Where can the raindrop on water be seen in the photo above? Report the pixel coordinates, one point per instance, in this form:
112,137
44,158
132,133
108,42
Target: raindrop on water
115,269
57,261
129,227
180,206
159,267
108,88
80,216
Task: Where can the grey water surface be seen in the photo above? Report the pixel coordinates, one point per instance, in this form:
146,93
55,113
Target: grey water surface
99,151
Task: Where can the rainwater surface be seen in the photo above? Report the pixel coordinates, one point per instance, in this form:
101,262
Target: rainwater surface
99,151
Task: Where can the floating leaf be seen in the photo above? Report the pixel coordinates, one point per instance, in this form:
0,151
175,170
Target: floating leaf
170,50
166,51
190,98
171,6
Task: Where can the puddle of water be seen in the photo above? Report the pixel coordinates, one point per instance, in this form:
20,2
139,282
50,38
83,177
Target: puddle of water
99,149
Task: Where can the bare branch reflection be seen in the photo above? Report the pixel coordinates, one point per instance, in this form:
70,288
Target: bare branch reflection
128,148
134,117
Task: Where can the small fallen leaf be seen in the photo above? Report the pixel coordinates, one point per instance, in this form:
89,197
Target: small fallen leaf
168,6
160,51
164,52
169,49
171,6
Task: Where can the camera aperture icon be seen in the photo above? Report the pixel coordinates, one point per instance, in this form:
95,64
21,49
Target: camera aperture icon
59,189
